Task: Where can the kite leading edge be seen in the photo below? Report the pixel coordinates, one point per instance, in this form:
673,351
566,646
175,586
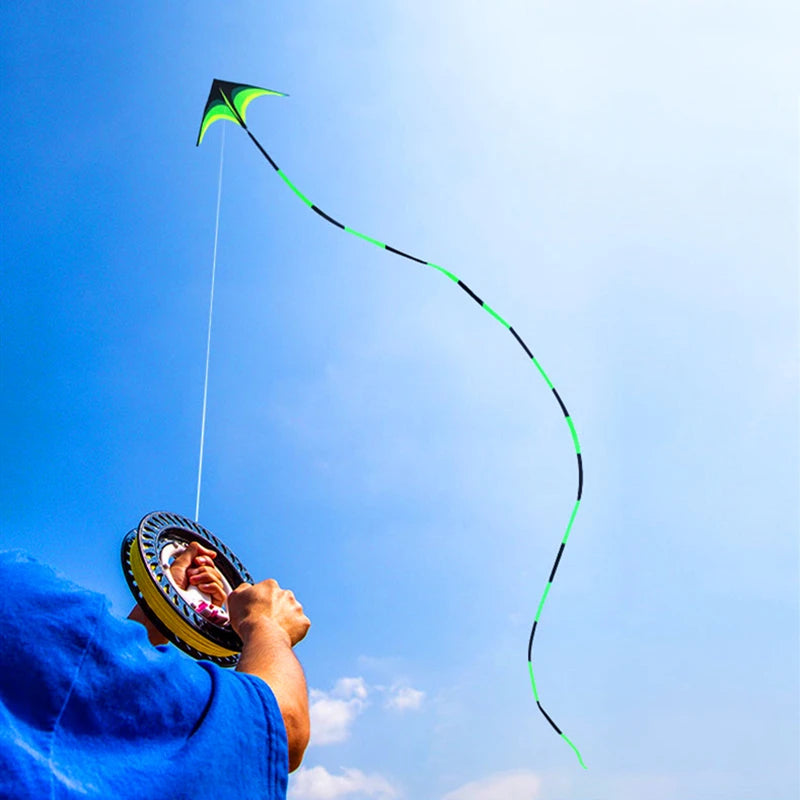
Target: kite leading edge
229,101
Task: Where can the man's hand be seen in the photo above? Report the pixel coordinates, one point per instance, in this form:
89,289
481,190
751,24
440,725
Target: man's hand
270,622
250,603
195,567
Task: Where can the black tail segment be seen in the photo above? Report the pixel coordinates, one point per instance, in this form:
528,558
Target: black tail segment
560,402
555,566
530,641
547,717
405,255
471,293
325,216
580,476
522,344
263,151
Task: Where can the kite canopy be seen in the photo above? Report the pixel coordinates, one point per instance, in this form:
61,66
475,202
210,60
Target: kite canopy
229,101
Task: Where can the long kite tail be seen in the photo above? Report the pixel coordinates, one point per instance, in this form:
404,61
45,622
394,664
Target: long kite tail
530,355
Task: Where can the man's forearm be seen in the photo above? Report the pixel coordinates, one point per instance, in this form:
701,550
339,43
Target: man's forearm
268,654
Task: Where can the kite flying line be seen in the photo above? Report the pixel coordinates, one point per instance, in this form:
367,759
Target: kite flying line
229,101
208,340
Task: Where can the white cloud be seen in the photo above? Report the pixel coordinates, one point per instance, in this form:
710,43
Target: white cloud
316,783
350,687
404,698
522,785
332,713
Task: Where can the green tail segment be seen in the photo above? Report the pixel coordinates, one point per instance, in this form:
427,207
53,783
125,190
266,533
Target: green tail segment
234,98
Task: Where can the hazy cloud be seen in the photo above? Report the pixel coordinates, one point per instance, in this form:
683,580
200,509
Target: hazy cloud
316,783
332,713
404,698
522,785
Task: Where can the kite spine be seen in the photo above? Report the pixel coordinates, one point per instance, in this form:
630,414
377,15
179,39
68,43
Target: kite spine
528,353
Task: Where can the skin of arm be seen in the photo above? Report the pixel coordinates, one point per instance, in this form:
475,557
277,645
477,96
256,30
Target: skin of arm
270,622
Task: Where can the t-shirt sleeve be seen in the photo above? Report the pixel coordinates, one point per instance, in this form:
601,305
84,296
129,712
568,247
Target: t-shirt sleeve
116,711
257,737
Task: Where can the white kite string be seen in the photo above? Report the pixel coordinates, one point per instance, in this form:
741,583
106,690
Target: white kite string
208,342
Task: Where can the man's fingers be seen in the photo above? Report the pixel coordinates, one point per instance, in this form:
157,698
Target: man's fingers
203,551
201,582
196,579
204,572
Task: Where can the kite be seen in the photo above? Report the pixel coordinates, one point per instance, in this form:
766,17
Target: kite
229,101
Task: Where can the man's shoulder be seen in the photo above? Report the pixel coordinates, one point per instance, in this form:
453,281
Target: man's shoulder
33,587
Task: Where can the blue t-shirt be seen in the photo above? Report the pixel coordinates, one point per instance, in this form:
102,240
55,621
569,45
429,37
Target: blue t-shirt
90,709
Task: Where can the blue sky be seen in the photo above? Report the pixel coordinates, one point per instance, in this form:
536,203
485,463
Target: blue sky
618,180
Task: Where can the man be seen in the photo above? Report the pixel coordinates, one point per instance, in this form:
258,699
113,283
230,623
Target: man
89,709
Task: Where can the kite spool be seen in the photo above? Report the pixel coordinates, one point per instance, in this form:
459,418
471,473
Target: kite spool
147,552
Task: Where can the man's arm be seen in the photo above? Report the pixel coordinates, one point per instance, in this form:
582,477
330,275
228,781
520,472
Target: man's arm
268,653
270,622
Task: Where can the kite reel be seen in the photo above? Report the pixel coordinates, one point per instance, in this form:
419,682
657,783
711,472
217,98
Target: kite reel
187,617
